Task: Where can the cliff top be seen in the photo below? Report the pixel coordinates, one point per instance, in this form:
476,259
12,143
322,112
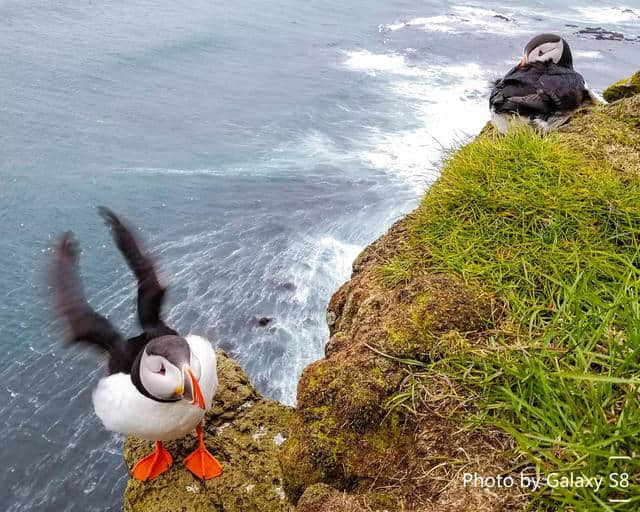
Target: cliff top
492,329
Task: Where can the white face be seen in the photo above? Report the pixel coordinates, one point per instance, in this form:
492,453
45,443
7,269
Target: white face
546,52
163,379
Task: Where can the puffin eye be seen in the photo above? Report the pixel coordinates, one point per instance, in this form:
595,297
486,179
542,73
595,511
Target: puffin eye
162,370
540,53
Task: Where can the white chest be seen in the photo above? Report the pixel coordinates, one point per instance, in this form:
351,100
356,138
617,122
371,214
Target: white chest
122,408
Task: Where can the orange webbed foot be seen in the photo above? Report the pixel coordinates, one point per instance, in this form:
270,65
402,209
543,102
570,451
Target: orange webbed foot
153,464
201,463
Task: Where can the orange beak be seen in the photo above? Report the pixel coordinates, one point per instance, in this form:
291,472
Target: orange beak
522,62
192,388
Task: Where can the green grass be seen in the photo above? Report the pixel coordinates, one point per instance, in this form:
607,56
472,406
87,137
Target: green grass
556,235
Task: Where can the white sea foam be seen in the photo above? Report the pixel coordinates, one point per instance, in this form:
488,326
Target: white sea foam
310,149
318,266
179,172
601,14
588,54
375,63
328,257
448,103
463,18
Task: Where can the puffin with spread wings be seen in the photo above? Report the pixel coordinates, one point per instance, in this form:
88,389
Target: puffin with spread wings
160,384
542,90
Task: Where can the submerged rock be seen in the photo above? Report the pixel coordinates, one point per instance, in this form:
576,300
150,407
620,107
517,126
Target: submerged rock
601,34
244,431
264,321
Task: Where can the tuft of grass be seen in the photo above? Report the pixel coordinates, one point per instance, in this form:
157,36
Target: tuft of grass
555,233
396,271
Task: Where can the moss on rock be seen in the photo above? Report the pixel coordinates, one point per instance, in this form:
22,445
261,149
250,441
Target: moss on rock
244,432
607,136
624,88
344,433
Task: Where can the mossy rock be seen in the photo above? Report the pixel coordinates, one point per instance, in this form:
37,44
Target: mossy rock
324,498
623,89
244,431
344,434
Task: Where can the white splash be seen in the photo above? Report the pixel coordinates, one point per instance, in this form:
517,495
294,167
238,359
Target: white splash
608,14
375,63
463,18
161,171
448,102
328,257
588,54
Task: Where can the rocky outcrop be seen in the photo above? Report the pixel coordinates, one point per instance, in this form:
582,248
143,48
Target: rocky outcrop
244,431
373,429
345,437
623,89
396,411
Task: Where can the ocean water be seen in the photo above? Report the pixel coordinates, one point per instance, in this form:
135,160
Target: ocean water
257,147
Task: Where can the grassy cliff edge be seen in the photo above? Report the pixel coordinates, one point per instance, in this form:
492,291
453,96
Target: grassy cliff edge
494,330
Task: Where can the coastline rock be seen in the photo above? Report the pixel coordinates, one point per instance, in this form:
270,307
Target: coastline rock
346,450
244,431
601,34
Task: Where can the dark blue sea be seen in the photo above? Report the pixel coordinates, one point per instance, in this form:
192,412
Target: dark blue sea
257,146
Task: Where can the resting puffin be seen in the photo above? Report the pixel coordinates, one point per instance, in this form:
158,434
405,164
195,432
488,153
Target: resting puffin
542,90
160,384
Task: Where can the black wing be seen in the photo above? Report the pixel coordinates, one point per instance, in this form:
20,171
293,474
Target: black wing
564,87
150,291
85,325
538,90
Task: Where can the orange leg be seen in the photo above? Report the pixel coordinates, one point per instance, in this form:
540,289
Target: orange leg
153,464
201,463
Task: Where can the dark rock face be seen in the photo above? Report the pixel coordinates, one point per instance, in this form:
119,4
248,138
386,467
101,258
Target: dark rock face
244,431
602,34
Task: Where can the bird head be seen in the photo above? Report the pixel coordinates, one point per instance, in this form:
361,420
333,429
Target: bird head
170,371
547,48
